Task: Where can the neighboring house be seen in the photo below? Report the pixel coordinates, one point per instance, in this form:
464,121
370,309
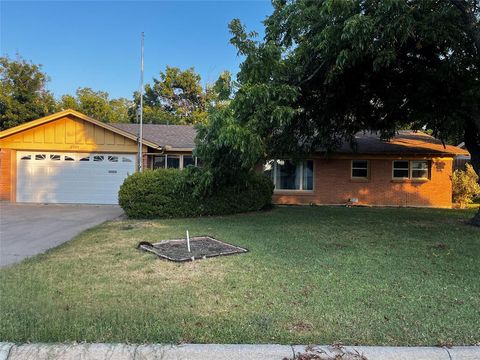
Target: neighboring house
70,158
461,160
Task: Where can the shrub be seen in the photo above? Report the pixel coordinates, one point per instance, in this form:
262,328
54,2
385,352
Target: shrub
465,186
171,193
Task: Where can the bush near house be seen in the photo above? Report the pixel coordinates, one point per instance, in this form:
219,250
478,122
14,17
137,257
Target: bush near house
170,193
465,186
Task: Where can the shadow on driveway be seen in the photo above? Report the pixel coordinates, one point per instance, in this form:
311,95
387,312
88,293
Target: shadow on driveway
30,229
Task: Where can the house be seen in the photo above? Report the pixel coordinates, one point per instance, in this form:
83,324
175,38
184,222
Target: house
69,157
460,161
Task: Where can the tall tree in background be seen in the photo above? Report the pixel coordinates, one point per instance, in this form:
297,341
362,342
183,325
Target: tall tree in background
177,97
97,104
23,93
328,69
222,89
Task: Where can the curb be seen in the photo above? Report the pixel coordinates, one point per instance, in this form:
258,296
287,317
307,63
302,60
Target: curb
230,352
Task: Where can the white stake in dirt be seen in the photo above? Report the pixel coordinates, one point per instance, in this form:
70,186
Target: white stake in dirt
188,242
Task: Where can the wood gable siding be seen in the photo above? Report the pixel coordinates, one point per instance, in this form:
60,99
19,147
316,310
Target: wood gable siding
69,133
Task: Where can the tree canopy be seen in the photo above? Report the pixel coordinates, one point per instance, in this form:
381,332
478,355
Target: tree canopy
23,93
177,97
328,69
97,104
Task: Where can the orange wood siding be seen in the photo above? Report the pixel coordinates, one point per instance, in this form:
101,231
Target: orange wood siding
69,134
333,185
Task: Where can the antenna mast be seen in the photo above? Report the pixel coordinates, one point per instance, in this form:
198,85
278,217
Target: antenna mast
140,112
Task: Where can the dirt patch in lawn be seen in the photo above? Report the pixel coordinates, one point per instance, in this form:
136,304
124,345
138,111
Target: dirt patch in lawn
201,247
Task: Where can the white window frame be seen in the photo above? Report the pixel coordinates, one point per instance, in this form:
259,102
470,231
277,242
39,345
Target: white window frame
410,170
274,177
360,168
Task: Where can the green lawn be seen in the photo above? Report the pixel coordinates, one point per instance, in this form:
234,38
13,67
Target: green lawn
313,275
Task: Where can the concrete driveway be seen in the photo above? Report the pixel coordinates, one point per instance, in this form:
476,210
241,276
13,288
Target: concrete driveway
30,229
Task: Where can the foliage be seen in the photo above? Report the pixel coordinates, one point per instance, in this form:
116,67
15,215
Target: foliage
171,193
222,90
23,93
227,149
466,187
97,104
177,97
328,69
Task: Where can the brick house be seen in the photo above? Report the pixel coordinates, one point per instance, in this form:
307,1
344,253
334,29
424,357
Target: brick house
69,157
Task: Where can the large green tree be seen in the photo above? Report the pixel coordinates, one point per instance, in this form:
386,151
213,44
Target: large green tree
177,97
327,69
97,104
23,93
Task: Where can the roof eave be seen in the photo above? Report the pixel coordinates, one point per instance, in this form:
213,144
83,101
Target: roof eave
426,154
171,148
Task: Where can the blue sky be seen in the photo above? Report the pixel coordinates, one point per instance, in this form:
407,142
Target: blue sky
97,43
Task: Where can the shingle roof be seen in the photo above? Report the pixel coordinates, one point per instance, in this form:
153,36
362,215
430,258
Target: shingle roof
406,142
173,136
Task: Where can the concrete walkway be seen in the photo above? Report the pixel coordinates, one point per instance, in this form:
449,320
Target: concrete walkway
230,352
30,229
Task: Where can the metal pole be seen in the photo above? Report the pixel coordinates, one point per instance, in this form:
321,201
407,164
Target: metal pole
140,129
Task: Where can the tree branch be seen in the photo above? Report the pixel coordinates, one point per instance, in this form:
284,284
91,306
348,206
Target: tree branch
469,21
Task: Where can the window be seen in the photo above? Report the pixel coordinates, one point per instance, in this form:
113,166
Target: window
401,169
113,158
359,169
85,158
290,175
55,157
40,157
188,160
26,157
125,159
419,169
414,169
69,158
98,158
307,175
173,161
159,162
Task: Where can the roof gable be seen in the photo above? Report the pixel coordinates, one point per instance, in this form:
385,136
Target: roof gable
69,112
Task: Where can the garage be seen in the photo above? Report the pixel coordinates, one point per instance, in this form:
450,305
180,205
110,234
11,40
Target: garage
68,157
58,177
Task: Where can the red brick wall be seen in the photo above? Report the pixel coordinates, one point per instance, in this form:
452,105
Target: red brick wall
7,175
333,185
146,162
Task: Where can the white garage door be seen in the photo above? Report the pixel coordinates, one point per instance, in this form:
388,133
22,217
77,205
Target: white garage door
46,177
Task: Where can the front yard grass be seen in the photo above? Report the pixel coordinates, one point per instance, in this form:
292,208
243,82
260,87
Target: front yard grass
313,275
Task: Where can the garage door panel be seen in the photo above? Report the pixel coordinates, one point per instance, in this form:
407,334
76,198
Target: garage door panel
63,178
